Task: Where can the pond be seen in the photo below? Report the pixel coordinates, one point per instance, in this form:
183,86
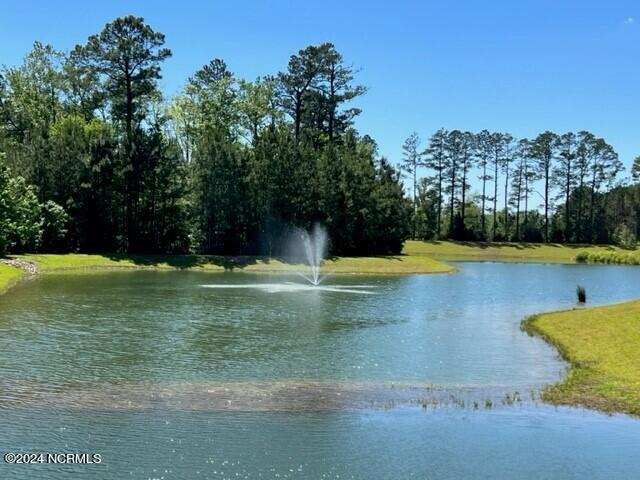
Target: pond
207,375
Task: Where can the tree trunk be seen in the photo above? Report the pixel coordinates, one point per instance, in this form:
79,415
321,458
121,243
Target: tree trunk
579,226
415,205
439,196
495,198
131,176
518,199
452,200
566,203
592,206
298,115
506,201
464,192
526,196
332,106
546,201
484,198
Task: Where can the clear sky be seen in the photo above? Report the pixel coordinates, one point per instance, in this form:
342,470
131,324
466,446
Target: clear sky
520,66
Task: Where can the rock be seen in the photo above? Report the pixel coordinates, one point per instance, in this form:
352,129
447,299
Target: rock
28,267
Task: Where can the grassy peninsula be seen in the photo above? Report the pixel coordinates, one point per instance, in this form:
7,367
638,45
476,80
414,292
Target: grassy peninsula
602,345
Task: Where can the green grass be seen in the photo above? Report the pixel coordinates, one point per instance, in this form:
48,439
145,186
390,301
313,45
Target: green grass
398,264
505,252
8,276
79,261
603,347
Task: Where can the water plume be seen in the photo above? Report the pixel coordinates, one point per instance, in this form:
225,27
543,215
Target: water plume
310,248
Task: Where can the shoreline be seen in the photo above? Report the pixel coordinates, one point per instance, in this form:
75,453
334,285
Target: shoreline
10,276
381,265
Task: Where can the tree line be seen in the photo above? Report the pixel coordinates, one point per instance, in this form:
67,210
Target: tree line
93,158
551,188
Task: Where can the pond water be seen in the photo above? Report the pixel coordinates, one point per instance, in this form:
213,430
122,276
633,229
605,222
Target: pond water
206,375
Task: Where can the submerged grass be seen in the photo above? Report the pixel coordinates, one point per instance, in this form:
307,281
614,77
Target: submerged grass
508,251
397,264
8,276
603,347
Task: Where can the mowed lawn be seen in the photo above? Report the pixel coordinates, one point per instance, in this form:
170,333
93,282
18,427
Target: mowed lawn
603,346
8,276
503,252
394,264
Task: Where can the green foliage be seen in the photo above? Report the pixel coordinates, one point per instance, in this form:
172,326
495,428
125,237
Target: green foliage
24,229
6,207
54,226
126,57
620,258
624,237
20,216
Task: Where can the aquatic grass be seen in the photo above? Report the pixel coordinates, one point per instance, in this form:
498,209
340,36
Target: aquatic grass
510,399
602,345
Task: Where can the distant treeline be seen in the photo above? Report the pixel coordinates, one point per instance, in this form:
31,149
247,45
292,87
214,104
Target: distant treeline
93,158
552,188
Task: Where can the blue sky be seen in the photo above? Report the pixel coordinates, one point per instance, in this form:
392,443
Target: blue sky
518,66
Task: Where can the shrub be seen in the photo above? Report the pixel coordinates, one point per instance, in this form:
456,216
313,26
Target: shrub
24,222
54,222
621,258
624,237
582,257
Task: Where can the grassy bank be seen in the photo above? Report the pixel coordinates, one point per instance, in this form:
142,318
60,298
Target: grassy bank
8,276
603,347
417,257
398,264
506,252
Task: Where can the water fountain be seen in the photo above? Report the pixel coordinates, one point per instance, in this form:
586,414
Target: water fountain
315,249
307,248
